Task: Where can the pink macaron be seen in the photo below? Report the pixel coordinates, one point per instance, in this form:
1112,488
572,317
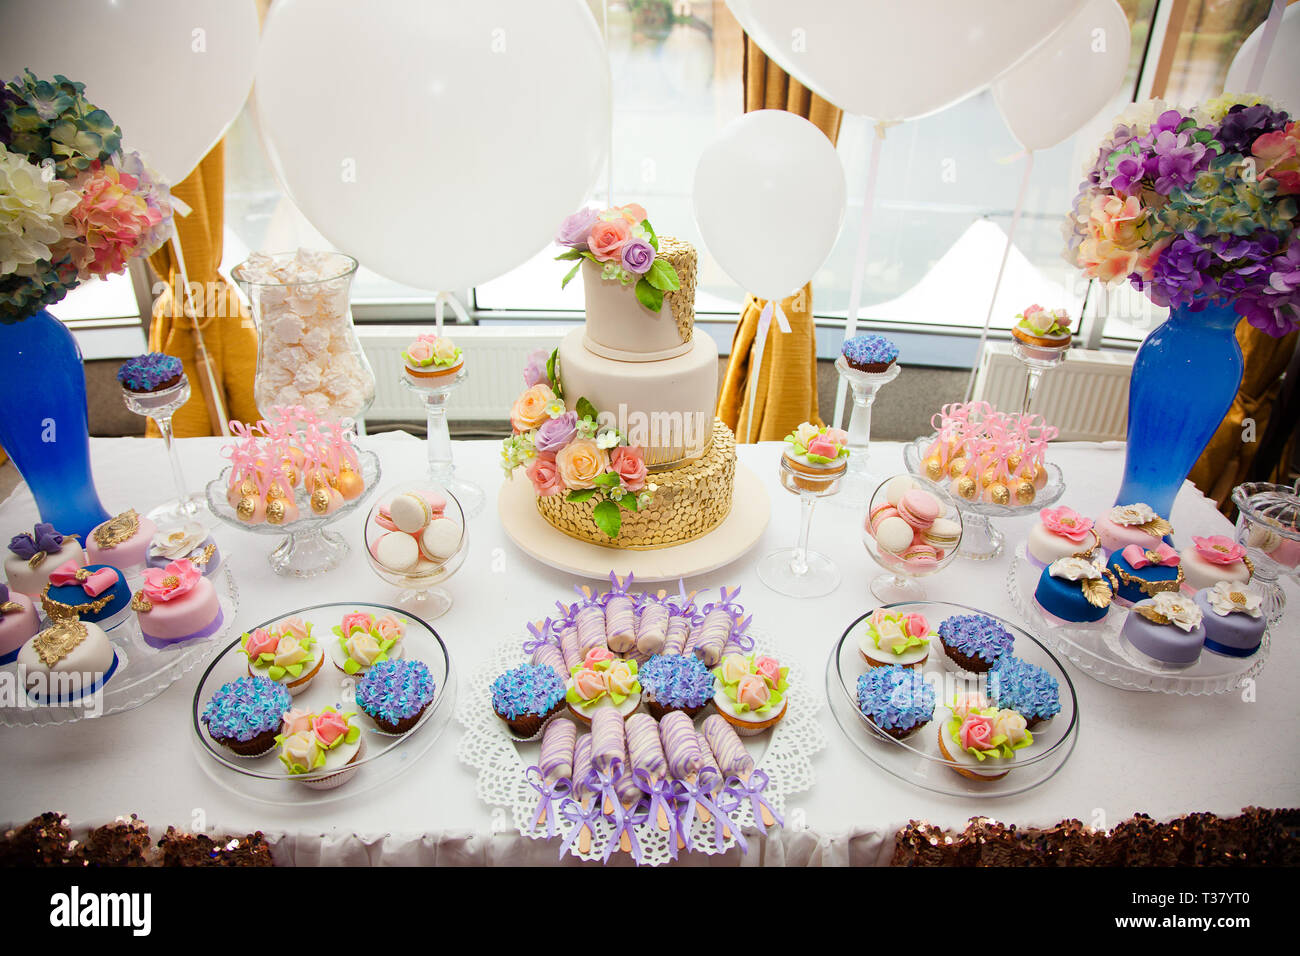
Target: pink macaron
879,514
921,556
918,508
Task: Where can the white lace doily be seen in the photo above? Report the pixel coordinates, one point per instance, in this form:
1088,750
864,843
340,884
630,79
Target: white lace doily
786,757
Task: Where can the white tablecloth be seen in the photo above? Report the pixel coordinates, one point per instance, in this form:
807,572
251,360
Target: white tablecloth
1153,753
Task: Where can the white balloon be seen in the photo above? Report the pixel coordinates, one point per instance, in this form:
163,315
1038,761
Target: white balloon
898,59
1068,79
172,75
440,142
769,200
1281,79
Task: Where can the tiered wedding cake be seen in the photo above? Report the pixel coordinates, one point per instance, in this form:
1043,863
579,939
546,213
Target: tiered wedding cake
617,432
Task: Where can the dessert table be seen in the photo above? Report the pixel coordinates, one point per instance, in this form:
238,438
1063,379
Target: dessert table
1152,753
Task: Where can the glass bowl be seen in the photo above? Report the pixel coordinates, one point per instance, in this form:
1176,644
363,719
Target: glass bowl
1267,525
899,583
420,588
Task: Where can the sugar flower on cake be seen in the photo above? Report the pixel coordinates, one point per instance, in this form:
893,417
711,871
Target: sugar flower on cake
429,349
1066,522
1219,549
898,632
280,651
1229,598
366,640
820,444
599,676
1041,321
1171,607
175,580
752,682
989,732
622,242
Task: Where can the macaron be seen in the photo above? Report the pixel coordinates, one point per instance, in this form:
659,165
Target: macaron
943,534
409,512
440,539
918,508
879,514
397,551
894,535
898,486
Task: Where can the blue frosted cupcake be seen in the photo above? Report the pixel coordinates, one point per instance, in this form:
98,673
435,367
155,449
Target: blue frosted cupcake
1025,688
675,682
245,714
974,642
897,700
395,694
526,697
870,353
151,372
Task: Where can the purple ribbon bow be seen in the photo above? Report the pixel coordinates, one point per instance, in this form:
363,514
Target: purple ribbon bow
660,794
752,789
615,587
700,793
548,794
541,637
567,612
626,820
44,539
580,817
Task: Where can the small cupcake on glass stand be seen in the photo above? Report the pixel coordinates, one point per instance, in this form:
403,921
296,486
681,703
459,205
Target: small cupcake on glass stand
416,538
155,386
433,367
912,532
812,465
1041,339
867,363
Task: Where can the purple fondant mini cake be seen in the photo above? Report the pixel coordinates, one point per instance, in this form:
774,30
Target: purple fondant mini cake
1165,632
1233,618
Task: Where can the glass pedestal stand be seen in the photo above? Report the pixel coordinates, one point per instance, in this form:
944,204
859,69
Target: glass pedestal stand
441,468
1036,359
859,483
798,572
160,406
1267,525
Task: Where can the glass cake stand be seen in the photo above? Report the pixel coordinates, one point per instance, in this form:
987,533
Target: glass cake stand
916,758
160,406
858,482
798,571
306,547
980,540
1267,517
143,672
1096,649
1036,359
442,470
385,756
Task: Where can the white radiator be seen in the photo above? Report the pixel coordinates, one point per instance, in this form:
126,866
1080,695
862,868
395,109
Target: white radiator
494,358
1086,396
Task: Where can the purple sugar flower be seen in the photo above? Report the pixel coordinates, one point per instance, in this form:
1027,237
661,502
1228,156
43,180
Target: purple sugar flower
1242,125
576,228
555,433
638,256
535,369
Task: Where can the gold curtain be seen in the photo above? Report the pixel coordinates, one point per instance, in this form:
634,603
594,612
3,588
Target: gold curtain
1227,459
786,385
228,333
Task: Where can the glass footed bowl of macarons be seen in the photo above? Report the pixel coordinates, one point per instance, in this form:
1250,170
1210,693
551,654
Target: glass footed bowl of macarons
912,529
415,539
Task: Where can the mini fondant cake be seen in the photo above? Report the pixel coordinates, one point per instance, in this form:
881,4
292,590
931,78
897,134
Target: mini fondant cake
897,700
675,682
974,642
1025,688
981,743
1165,630
752,696
431,359
67,661
177,604
151,372
1211,560
1060,533
18,622
285,652
33,556
817,455
395,694
245,714
1233,618
1075,590
603,680
317,749
1145,570
887,638
869,353
96,593
1131,524
191,541
122,541
365,640
526,696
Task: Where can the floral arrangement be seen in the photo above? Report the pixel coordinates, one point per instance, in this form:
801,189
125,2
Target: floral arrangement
576,452
820,444
283,649
621,241
984,731
1191,207
73,204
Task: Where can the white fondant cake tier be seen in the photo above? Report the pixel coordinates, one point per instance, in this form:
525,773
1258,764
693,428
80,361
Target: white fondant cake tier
620,327
666,406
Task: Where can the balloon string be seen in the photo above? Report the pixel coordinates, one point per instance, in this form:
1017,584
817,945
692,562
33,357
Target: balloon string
1266,38
997,283
860,259
770,308
609,184
208,381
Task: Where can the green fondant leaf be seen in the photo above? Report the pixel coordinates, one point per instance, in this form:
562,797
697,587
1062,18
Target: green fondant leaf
569,254
275,672
649,296
350,666
608,480
654,239
569,278
628,503
577,497
608,518
585,409
663,276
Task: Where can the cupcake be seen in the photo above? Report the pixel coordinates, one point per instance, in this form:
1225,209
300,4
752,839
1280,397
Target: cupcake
151,372
1042,332
365,640
981,742
526,697
245,714
33,556
869,353
190,541
752,698
67,661
603,680
122,541
431,358
318,749
1233,618
897,700
1144,571
1165,632
1060,533
1025,688
672,682
286,652
1075,590
1131,524
395,694
18,623
1211,560
889,638
96,593
974,642
817,455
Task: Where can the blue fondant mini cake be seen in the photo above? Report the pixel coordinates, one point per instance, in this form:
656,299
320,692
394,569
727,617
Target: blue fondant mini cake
1025,688
870,353
1144,571
974,642
97,592
897,700
675,682
395,693
1074,590
245,714
525,696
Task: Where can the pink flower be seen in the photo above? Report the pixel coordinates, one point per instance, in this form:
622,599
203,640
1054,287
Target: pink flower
529,410
965,703
1066,522
837,435
329,727
914,625
357,621
823,446
976,731
1278,153
296,720
752,691
163,584
114,219
595,656
545,477
769,668
420,352
632,212
1119,239
294,627
389,628
1219,549
589,684
607,239
628,462
260,642
535,369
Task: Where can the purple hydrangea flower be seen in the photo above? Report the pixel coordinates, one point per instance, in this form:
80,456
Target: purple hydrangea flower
1242,125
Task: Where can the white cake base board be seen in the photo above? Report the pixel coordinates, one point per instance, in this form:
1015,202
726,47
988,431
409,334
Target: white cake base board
739,531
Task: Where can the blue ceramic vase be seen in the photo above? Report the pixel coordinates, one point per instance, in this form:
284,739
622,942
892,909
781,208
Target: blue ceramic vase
1185,377
43,420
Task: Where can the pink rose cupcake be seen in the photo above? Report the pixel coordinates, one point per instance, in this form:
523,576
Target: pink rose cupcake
752,695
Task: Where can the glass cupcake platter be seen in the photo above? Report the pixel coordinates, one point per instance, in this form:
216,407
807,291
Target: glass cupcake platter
143,672
980,539
306,547
1096,648
382,757
916,759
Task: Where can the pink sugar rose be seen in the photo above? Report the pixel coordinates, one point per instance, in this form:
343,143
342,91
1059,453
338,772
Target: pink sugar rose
914,625
632,212
296,720
976,731
390,628
1219,549
260,642
752,691
294,627
607,239
545,477
628,462
329,727
769,668
821,445
596,655
837,435
589,684
420,352
1066,522
357,621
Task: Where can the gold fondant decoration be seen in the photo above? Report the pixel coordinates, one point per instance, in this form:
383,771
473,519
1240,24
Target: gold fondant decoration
10,607
58,611
966,488
1099,591
204,557
58,641
1150,588
1157,527
1151,614
320,500
681,255
1096,543
999,494
117,529
140,602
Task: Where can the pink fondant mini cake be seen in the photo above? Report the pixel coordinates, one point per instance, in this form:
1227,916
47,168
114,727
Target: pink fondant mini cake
18,622
1211,560
176,604
122,541
1131,524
